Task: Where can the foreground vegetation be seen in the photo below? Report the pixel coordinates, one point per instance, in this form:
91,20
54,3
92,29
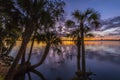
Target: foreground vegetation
36,20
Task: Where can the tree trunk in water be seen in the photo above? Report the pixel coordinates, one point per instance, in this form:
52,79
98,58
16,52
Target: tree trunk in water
12,70
26,38
78,55
83,52
22,75
31,48
43,57
23,58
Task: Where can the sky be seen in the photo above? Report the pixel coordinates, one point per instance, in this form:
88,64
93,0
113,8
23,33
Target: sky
107,8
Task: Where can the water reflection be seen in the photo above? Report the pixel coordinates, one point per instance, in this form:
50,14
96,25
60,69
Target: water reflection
103,59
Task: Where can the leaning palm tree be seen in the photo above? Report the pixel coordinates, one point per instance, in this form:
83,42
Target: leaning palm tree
50,39
29,14
86,21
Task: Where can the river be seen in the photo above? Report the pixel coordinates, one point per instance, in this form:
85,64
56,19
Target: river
102,58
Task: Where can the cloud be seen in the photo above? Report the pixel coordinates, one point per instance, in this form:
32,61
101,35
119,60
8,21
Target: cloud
107,32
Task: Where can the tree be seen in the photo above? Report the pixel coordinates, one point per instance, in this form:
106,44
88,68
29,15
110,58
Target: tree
50,39
76,36
9,34
30,15
86,20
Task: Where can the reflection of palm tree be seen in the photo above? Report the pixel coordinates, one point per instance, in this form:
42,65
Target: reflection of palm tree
79,74
39,74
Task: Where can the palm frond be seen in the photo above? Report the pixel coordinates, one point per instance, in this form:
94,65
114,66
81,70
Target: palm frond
96,24
89,11
86,29
77,15
75,34
94,16
69,23
48,37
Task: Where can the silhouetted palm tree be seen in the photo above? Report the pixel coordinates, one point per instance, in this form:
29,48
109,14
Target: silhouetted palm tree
86,20
76,36
9,33
31,16
89,18
50,39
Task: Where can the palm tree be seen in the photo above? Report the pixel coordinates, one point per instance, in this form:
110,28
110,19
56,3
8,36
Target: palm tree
30,16
89,18
13,33
48,20
86,20
50,39
76,37
70,23
32,44
9,33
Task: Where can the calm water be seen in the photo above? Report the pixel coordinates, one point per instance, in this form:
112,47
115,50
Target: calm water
102,58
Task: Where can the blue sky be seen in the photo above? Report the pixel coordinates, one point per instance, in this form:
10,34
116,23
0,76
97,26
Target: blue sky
107,8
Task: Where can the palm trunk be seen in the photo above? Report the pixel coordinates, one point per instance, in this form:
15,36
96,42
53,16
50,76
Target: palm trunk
31,48
26,38
83,52
78,55
43,57
22,75
12,70
23,58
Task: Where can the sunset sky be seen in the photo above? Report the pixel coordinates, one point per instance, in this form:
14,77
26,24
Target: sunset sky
107,8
